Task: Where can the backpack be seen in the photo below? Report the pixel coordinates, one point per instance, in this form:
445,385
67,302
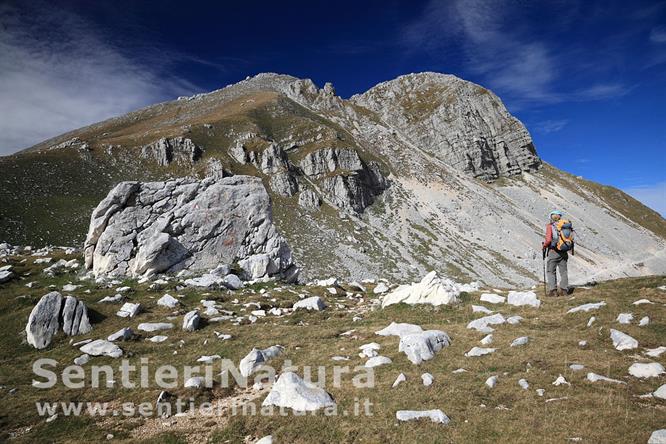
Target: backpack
563,236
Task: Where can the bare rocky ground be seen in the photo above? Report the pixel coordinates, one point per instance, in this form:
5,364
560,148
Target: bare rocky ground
563,353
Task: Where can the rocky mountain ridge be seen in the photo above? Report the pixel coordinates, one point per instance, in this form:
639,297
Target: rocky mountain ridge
426,171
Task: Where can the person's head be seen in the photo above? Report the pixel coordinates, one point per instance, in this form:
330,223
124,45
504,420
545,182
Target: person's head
556,215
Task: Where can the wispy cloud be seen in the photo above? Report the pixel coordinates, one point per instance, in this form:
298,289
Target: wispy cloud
57,73
502,50
658,34
653,196
551,126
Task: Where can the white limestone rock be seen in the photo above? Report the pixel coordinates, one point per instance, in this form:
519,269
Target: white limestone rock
290,391
168,301
622,341
479,351
491,382
587,307
646,370
100,347
483,324
376,361
155,326
191,320
522,298
655,352
657,437
436,416
422,346
520,341
129,310
381,288
427,379
431,290
123,334
312,303
185,224
256,358
644,321
492,298
625,318
399,329
400,379
593,377
51,312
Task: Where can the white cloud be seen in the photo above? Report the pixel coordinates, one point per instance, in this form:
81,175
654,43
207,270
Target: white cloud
653,196
658,34
58,74
499,47
551,126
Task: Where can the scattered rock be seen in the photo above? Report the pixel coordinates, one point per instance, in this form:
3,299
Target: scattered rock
657,437
487,340
492,298
256,358
521,298
155,326
129,310
52,311
195,382
480,309
191,320
491,381
483,324
157,339
100,347
646,370
523,384
660,392
655,352
422,346
622,341
644,321
312,303
479,351
82,360
111,299
431,290
402,378
560,381
291,391
376,361
168,301
625,318
593,377
437,415
427,379
123,334
520,341
399,329
380,288
587,307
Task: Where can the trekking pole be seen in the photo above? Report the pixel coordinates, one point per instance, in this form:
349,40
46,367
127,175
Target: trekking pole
543,257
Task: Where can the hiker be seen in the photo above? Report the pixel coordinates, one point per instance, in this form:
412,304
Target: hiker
556,247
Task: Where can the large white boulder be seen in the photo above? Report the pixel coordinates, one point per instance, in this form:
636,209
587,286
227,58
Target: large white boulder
292,392
431,290
186,224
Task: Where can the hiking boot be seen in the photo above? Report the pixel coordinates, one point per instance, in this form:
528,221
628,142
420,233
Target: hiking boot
552,293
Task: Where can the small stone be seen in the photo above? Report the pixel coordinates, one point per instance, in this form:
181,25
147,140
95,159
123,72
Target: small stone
191,320
487,340
312,303
625,318
492,298
401,378
523,384
129,310
168,301
82,360
491,381
644,321
377,361
520,341
479,351
436,416
622,341
121,335
560,381
155,326
427,379
101,347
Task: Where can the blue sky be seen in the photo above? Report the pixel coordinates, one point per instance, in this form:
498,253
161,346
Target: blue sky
588,78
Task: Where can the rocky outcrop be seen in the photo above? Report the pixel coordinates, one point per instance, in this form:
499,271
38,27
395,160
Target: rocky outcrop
51,312
459,122
178,149
185,224
347,181
309,200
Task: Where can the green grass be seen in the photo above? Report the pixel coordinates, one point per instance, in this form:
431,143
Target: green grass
596,412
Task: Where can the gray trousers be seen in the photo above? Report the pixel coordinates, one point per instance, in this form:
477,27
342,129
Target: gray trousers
557,260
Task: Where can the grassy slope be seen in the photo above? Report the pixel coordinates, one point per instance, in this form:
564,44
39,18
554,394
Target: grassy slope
596,412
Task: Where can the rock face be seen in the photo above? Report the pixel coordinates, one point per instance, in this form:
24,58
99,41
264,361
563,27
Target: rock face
178,149
477,136
50,313
185,224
